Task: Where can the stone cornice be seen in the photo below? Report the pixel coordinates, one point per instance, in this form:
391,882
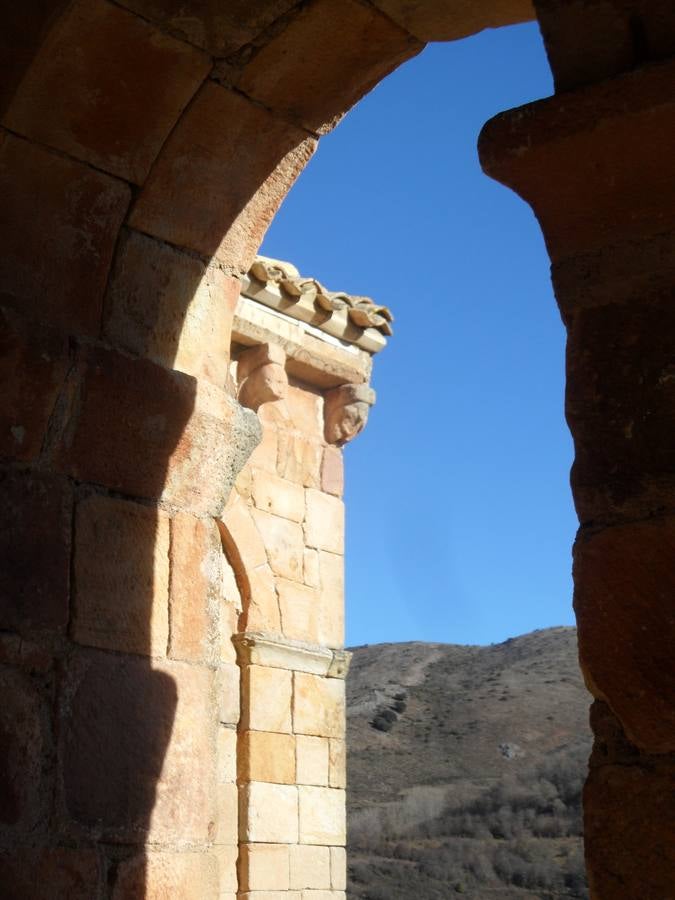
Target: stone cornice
277,652
354,320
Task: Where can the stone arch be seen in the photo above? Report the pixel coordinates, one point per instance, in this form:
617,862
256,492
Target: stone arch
138,175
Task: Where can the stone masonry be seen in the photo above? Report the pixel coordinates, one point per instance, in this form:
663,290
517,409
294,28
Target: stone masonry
170,468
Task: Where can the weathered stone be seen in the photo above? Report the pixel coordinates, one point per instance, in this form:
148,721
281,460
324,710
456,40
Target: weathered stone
56,273
158,875
233,212
338,868
145,76
263,867
310,867
624,577
148,432
151,730
265,454
228,683
169,307
284,544
35,546
33,366
278,496
266,699
227,755
305,408
312,761
24,787
196,588
332,472
268,813
345,49
262,610
311,572
299,606
324,522
266,756
226,830
628,822
318,706
432,21
59,874
346,412
338,763
322,815
121,576
227,871
299,459
207,23
242,541
332,603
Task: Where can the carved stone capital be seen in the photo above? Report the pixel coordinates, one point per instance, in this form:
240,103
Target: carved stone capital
261,374
346,411
272,650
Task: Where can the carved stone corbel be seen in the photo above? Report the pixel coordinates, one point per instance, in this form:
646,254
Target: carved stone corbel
346,411
261,375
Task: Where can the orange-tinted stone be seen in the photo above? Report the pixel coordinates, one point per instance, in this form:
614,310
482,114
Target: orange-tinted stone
106,87
35,544
205,194
152,731
332,471
56,273
438,21
121,576
623,584
284,544
33,365
169,307
346,48
299,459
157,876
58,874
196,583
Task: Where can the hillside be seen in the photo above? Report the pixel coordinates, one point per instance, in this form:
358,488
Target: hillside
465,770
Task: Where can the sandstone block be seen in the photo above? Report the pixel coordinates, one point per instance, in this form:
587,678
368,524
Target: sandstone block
137,79
268,813
234,210
338,868
299,459
623,579
227,871
60,874
56,273
278,496
305,408
169,307
158,875
227,755
323,895
228,687
332,602
230,613
265,454
226,830
284,544
270,895
35,539
332,37
312,576
263,867
219,33
33,365
299,607
312,761
196,586
318,706
443,22
121,576
149,432
24,782
310,867
266,756
332,471
325,521
242,541
338,763
151,730
262,611
266,699
322,815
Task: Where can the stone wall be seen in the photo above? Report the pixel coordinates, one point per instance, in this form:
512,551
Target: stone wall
145,146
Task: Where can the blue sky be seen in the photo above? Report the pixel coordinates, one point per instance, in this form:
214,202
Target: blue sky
459,515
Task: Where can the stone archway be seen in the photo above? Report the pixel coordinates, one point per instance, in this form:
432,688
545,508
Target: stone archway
145,146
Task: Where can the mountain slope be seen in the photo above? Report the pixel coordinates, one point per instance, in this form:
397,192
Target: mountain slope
465,769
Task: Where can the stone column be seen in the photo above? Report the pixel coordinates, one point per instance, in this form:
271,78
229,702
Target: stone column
597,164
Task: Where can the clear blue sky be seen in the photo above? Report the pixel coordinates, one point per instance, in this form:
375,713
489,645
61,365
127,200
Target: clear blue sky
459,516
